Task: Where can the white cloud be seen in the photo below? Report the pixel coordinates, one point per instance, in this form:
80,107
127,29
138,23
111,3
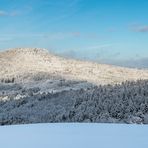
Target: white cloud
50,36
94,47
3,13
99,46
17,12
140,28
6,13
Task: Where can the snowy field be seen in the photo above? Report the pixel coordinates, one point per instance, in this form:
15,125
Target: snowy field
74,136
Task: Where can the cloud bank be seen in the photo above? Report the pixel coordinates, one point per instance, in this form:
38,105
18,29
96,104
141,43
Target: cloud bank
139,28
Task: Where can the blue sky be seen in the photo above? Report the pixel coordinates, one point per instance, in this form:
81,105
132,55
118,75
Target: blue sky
107,30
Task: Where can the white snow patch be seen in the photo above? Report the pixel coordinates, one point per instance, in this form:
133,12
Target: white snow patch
74,136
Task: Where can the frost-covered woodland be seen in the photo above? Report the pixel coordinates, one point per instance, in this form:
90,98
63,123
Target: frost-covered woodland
119,103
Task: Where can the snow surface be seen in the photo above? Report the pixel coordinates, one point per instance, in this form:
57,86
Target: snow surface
74,136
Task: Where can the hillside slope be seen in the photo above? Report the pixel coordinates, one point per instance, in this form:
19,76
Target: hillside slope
37,87
20,63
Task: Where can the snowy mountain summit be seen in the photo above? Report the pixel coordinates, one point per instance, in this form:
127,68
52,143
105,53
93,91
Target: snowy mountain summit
22,62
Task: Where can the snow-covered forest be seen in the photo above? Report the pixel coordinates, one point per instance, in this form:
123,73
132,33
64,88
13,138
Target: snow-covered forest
119,103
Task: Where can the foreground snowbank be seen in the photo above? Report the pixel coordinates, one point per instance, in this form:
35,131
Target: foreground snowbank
74,136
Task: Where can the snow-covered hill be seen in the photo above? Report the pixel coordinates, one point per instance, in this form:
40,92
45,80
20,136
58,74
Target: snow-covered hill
37,86
24,63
